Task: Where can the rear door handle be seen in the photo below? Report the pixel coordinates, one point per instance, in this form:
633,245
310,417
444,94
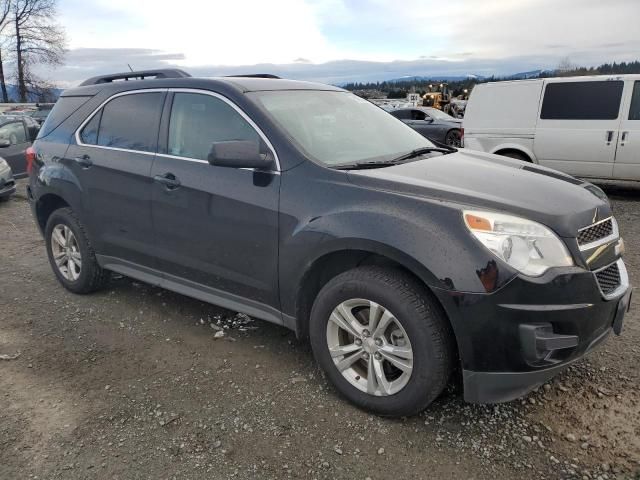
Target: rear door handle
624,138
84,161
169,180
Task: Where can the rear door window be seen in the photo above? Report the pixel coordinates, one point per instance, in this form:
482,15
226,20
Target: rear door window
582,100
634,111
130,122
13,132
402,114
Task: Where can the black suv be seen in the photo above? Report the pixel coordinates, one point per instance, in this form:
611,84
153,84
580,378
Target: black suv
304,205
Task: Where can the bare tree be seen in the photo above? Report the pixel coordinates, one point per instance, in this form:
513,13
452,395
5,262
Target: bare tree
38,39
5,21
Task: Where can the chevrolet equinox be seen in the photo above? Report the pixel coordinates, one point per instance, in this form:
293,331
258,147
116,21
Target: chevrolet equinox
304,205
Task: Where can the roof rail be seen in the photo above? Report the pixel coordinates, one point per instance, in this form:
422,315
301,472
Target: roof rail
255,75
139,75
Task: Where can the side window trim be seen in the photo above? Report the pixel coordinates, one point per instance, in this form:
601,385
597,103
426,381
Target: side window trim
241,112
98,109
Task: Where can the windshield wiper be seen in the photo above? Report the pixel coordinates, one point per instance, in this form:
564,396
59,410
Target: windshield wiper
365,165
424,150
395,161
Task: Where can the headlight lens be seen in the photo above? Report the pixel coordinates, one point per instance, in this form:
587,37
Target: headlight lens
527,246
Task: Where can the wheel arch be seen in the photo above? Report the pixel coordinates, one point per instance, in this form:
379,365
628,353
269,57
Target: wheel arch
515,148
332,263
46,205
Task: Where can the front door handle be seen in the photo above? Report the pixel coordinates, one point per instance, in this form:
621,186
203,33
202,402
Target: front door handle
623,138
609,137
169,180
84,161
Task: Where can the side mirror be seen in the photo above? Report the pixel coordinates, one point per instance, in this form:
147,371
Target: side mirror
428,119
239,154
5,143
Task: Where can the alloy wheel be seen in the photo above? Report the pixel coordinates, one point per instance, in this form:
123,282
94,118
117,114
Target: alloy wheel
369,347
66,252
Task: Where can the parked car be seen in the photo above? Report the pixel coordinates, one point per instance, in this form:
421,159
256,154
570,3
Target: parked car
585,126
16,135
40,115
307,206
432,123
7,183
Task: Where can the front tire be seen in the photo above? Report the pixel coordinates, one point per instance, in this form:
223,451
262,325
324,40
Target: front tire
70,253
382,340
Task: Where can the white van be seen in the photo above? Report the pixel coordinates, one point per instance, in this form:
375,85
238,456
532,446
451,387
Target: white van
585,126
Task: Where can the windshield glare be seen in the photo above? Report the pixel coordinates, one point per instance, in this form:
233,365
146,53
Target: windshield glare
338,128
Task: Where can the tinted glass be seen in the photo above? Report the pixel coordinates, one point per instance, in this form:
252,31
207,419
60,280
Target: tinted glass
634,111
131,122
582,101
418,115
199,120
14,132
402,114
62,110
89,134
337,127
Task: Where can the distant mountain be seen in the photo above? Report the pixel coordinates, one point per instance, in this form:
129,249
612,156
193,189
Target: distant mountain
526,75
14,96
436,78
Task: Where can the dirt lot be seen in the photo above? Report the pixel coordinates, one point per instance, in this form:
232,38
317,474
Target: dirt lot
133,382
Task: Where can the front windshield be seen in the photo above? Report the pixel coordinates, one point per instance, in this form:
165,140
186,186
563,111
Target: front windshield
339,128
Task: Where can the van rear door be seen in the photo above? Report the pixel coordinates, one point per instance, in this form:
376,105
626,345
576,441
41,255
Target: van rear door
627,164
577,130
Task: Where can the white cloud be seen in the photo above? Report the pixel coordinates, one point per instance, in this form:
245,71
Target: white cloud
297,37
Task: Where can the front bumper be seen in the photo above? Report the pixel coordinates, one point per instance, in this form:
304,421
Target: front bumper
517,338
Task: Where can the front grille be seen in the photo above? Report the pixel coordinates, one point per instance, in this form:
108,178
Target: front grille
595,232
609,278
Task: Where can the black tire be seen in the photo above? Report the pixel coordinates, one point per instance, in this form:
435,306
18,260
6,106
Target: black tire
453,138
517,155
92,277
423,320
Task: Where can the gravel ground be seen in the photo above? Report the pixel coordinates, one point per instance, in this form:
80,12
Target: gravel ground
139,382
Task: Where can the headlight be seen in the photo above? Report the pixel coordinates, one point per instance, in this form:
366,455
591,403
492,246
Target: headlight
527,246
3,164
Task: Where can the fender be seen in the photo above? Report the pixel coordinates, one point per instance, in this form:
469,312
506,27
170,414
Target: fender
443,260
56,179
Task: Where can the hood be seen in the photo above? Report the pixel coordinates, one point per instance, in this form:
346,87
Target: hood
484,181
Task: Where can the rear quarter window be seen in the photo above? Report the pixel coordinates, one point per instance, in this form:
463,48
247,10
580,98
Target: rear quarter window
63,109
582,100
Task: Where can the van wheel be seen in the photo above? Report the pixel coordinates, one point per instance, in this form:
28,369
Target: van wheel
517,156
70,254
453,138
382,341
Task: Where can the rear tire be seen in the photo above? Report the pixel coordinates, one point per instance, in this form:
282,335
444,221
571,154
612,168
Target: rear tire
453,138
70,253
414,323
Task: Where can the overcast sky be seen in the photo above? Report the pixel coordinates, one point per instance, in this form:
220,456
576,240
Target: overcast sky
340,40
